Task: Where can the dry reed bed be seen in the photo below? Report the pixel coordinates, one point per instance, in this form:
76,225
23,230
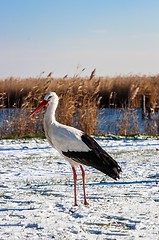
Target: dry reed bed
80,99
123,90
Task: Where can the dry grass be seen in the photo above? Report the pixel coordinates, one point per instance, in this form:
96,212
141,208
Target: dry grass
79,101
120,90
76,107
128,122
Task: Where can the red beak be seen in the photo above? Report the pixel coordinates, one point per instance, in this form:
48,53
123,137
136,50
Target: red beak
43,104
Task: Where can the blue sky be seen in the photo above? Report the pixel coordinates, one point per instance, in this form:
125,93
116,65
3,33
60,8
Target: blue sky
65,36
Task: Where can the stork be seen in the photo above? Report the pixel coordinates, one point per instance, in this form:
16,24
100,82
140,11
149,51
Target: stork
75,146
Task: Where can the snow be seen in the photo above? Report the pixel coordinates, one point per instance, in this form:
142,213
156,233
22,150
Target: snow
36,193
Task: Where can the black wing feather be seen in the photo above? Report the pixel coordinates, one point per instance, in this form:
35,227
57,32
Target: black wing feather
96,157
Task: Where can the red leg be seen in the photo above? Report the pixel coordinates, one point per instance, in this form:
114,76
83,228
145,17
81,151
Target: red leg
75,181
84,189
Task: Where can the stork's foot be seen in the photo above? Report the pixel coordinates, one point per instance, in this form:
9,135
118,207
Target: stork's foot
86,203
73,209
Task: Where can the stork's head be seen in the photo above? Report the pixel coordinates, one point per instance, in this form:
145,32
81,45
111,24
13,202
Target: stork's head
49,98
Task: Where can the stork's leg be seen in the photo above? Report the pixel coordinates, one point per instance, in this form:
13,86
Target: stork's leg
75,181
84,189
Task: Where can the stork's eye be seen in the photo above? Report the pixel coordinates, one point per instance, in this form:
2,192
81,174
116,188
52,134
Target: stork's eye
49,97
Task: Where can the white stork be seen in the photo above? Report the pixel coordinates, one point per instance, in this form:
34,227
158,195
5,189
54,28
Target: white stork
75,146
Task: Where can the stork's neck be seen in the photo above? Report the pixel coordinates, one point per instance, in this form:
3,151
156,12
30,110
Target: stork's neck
50,112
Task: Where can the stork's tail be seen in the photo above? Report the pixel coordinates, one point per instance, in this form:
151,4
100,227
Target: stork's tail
102,160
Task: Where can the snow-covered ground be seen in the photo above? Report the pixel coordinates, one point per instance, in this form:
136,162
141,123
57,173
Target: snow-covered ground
36,193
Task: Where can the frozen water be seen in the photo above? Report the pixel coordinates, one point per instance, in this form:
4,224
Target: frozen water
36,193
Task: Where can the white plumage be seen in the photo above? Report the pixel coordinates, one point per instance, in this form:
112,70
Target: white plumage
74,145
